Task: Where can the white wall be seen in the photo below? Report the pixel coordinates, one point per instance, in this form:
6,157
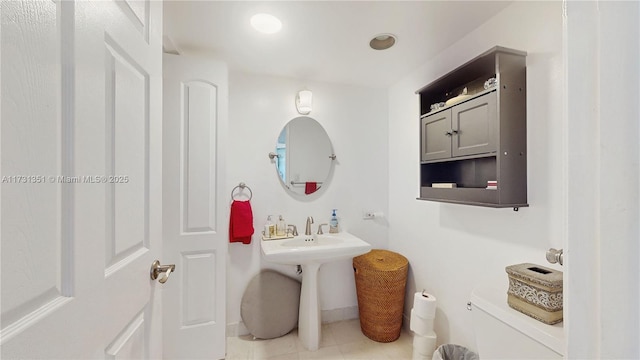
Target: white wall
355,119
452,248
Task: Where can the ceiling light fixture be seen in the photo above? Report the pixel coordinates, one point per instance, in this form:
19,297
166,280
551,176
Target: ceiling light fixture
265,23
382,41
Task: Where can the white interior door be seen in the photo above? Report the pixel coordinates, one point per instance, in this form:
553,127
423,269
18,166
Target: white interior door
195,206
81,169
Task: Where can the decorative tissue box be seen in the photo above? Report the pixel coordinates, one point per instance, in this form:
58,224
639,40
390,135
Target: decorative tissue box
536,291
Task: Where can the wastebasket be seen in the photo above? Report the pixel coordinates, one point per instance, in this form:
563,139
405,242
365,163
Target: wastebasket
381,277
454,352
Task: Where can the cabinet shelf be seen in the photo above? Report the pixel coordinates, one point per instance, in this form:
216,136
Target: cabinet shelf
466,196
467,157
481,137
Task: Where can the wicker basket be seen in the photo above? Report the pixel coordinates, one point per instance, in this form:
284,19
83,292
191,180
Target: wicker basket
381,277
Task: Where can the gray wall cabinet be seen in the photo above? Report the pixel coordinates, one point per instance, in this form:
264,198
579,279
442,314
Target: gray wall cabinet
465,129
475,134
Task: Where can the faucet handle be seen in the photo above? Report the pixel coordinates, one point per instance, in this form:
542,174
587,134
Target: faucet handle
294,232
320,228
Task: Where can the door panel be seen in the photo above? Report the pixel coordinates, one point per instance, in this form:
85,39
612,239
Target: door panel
195,217
199,302
198,126
32,210
37,249
138,12
130,343
474,125
81,125
127,124
436,144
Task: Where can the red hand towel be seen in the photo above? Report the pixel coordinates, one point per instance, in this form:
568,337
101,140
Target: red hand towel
310,187
241,222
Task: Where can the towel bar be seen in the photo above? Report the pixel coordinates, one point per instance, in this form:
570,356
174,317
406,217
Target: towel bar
303,183
242,186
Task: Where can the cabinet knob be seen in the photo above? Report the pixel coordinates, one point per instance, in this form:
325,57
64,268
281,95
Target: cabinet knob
454,131
448,133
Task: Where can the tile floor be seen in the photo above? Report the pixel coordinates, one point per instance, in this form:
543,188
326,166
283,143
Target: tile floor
340,340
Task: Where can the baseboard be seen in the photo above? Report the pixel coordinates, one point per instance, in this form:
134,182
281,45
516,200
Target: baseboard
237,329
327,316
335,315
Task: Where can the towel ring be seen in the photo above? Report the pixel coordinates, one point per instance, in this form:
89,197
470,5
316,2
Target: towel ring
242,186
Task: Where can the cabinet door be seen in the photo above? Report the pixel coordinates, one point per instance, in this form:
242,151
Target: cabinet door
474,126
435,133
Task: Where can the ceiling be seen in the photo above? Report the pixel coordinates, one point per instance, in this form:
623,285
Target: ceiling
324,40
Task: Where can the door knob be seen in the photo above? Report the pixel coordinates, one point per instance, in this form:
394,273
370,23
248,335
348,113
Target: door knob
555,256
156,269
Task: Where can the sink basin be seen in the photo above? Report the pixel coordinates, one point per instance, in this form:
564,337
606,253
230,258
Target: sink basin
311,251
314,248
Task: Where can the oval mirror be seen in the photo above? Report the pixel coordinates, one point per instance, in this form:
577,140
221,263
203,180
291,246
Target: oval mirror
304,156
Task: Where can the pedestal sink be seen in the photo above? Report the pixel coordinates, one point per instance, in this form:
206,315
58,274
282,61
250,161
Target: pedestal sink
311,251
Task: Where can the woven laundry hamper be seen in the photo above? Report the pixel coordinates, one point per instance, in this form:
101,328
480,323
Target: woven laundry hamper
381,276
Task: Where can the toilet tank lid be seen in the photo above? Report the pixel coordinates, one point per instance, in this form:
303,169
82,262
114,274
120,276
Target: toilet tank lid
493,301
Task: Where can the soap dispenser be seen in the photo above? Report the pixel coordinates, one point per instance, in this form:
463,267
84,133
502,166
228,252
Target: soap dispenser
281,228
333,223
269,229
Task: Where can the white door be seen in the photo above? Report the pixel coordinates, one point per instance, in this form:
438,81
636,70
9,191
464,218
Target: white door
196,202
81,169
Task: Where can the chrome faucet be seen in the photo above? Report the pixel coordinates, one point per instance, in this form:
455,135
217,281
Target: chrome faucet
292,229
307,230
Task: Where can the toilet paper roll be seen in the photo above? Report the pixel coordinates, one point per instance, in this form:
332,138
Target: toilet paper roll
420,326
425,345
424,305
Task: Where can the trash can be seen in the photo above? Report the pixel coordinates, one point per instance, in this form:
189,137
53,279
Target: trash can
454,352
381,277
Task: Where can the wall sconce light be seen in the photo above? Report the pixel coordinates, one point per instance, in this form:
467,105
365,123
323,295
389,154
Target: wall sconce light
303,102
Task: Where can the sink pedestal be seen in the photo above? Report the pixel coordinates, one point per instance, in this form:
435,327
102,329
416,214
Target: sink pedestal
309,313
311,251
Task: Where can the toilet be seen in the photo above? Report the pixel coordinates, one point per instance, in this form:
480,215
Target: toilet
504,333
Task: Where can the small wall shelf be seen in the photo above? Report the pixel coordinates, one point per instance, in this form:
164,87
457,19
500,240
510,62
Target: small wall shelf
472,134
